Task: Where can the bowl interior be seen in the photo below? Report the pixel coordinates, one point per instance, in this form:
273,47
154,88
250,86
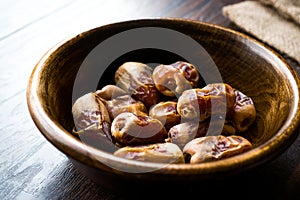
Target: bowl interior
243,63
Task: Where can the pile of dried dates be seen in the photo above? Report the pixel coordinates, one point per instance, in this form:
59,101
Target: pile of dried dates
161,115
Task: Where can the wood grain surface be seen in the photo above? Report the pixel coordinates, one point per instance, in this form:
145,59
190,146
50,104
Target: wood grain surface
30,167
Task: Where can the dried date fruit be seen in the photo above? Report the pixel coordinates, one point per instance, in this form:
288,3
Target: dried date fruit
109,92
122,104
92,122
158,152
172,80
166,112
199,103
223,93
136,79
88,110
243,113
183,133
130,129
211,148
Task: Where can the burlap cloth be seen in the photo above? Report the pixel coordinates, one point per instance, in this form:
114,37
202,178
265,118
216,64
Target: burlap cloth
275,22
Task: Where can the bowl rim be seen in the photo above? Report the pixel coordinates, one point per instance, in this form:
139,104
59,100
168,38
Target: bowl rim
75,149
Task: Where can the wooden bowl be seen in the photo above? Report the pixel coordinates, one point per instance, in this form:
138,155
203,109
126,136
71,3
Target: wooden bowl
243,62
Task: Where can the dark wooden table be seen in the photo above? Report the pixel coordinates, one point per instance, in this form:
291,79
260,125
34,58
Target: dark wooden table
30,167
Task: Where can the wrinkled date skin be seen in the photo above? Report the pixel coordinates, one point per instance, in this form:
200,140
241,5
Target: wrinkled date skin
130,129
183,133
136,79
92,122
109,92
166,112
171,80
122,104
201,103
89,110
243,113
159,153
211,148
